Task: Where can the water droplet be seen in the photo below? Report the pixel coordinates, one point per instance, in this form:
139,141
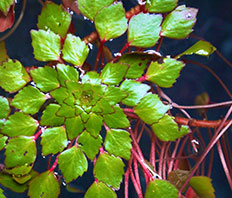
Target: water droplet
64,184
110,40
141,2
85,18
33,84
90,45
117,54
43,157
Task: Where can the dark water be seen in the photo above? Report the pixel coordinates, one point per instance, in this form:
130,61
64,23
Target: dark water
214,24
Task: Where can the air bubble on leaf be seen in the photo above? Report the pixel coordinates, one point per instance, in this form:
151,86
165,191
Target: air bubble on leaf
85,18
110,40
90,45
33,84
64,184
117,54
43,157
141,2
82,72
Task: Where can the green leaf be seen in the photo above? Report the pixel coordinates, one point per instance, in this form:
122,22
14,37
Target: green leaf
99,190
1,194
66,111
20,151
72,163
178,24
202,185
74,126
91,8
135,91
2,121
54,140
94,124
150,109
50,118
20,124
53,17
144,30
2,141
46,45
91,77
109,169
8,182
66,73
44,185
114,95
29,100
4,106
60,94
117,119
111,22
118,143
89,144
22,179
161,6
166,129
166,73
161,189
202,48
5,6
19,170
74,50
13,76
113,73
45,78
103,107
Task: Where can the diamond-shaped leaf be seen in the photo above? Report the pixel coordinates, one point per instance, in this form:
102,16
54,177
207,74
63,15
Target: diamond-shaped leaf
161,189
46,45
45,78
166,73
117,119
109,169
29,100
144,30
5,5
72,159
4,106
150,109
66,111
103,107
114,95
44,185
74,126
91,77
60,94
13,76
94,124
118,143
113,73
91,8
50,118
178,24
99,190
167,129
135,91
20,151
54,140
2,141
20,124
89,144
161,6
111,22
74,50
53,17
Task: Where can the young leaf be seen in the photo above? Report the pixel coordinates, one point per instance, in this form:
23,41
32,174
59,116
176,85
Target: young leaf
117,119
103,107
2,141
74,126
118,143
50,118
94,124
111,22
144,30
178,24
202,48
66,111
91,8
74,50
20,124
150,109
161,6
166,129
1,194
113,73
89,144
109,169
3,52
53,17
13,76
44,185
54,140
72,163
135,91
161,189
45,78
203,191
114,95
60,94
29,100
46,45
99,190
166,73
91,77
20,151
4,106
5,6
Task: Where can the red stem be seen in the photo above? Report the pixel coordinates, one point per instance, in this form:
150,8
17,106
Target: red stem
159,44
38,133
54,164
152,153
142,79
126,183
173,155
226,155
136,172
100,49
161,158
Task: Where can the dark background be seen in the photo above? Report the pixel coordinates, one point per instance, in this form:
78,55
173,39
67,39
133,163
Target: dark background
214,24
